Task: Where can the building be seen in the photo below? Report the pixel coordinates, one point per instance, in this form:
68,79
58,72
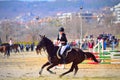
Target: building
64,17
116,10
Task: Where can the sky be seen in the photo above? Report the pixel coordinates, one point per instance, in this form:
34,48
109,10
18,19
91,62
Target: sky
28,0
37,0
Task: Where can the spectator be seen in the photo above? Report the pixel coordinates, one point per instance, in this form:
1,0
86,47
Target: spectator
90,45
21,47
110,37
104,44
84,45
113,44
27,47
32,46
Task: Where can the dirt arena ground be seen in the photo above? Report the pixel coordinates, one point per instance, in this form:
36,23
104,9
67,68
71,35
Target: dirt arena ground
26,66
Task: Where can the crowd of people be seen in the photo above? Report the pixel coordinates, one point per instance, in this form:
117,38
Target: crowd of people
19,47
89,42
27,47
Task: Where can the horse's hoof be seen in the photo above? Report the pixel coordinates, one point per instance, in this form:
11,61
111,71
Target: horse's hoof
54,72
99,61
41,76
60,76
39,73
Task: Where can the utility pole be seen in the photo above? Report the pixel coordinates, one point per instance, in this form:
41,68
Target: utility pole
81,27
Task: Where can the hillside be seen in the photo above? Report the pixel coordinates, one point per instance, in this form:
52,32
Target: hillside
11,9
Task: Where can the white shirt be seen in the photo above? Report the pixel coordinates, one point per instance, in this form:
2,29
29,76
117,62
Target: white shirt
10,42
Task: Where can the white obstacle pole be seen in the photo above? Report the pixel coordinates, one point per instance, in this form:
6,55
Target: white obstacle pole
95,47
101,41
98,45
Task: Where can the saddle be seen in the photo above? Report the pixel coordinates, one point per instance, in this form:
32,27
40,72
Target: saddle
64,55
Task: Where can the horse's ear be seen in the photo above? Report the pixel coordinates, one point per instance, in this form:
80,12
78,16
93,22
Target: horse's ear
41,36
44,36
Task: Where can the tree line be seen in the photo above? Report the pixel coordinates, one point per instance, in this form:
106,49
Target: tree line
29,31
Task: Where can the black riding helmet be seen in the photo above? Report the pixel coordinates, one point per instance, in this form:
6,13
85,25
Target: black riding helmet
61,29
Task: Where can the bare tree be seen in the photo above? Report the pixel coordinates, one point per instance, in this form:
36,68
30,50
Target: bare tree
7,30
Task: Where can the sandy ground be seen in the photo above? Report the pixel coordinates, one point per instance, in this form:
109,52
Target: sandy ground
26,66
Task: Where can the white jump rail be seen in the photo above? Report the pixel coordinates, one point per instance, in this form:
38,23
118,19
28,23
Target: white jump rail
116,58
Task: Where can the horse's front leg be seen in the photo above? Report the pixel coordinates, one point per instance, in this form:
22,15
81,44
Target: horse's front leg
46,64
51,66
4,54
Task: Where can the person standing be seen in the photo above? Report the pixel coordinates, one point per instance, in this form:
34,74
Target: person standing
104,44
90,45
113,44
32,46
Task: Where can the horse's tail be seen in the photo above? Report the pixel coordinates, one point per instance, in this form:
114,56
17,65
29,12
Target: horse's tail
92,56
88,55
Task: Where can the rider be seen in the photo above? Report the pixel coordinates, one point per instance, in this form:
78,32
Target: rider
10,42
62,41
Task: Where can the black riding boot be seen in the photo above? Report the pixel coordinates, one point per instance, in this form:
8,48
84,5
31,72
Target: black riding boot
62,60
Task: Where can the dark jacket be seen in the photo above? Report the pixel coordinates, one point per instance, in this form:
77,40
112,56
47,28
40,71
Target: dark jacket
63,38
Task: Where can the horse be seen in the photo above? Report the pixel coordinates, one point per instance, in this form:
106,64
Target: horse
75,56
5,48
15,47
2,49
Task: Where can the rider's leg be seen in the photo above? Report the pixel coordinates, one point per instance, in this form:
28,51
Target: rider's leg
63,49
63,54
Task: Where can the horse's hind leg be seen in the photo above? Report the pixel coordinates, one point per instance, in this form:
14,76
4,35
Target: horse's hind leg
46,64
70,70
76,69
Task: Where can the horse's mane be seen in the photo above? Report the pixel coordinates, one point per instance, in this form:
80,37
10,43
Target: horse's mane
3,44
48,41
51,47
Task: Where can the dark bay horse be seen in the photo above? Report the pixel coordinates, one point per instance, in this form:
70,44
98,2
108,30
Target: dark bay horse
2,49
5,48
15,47
75,56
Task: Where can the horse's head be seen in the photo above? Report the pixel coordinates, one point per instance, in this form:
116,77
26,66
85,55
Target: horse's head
41,44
